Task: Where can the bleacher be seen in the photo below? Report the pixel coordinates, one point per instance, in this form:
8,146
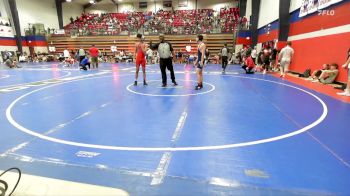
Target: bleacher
214,42
186,21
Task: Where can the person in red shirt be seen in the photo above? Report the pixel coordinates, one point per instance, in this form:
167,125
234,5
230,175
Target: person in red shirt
94,56
248,64
140,51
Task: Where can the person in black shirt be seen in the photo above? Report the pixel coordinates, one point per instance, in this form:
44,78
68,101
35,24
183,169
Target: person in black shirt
166,53
273,56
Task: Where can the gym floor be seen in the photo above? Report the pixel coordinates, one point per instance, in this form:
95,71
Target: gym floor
241,134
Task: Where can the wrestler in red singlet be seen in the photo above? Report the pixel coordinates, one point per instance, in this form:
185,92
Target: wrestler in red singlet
140,50
140,56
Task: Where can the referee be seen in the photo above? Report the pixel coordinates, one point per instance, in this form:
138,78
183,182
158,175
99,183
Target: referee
224,57
166,52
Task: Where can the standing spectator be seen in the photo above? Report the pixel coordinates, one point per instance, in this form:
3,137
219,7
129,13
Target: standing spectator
104,55
207,56
34,30
260,57
166,52
347,66
180,56
267,53
66,53
81,53
273,57
285,57
224,54
254,54
94,53
149,56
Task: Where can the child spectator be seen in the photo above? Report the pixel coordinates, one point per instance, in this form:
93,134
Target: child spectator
10,63
328,76
318,72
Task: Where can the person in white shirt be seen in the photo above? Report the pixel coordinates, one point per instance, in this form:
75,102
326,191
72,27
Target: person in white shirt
66,53
285,57
254,54
149,56
224,58
81,53
22,58
347,66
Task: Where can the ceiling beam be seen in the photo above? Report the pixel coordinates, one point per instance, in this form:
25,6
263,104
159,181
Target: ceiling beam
89,4
115,3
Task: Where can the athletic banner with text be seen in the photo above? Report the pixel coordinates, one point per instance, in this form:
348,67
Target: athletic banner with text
311,6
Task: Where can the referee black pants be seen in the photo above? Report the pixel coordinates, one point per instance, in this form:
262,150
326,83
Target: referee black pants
224,62
167,64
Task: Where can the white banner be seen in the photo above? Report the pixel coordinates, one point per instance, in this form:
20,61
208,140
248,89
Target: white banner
60,32
311,6
6,31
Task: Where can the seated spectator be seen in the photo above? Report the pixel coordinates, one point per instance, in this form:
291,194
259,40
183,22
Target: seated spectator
216,59
60,58
10,63
248,65
69,61
318,72
155,57
328,76
191,58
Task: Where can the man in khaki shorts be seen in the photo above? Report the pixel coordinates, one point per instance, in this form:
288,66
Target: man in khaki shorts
94,56
285,57
347,66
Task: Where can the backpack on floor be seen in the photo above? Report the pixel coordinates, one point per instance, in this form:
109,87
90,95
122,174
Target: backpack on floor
306,73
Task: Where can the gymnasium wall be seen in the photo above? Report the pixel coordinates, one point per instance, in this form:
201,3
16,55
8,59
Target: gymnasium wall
319,39
3,8
155,6
269,11
268,24
294,5
71,10
37,11
248,11
268,32
101,8
7,41
44,11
